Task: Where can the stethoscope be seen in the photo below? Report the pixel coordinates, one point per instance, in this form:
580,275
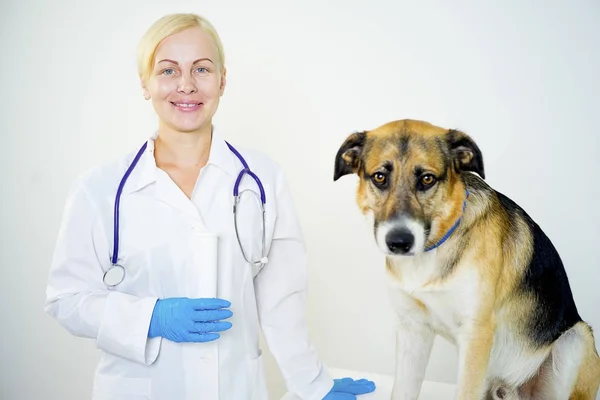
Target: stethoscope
115,274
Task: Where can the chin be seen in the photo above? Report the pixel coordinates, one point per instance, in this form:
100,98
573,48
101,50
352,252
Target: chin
192,122
189,126
189,129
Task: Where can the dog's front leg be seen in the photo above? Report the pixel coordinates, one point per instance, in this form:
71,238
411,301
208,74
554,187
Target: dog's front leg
414,341
474,349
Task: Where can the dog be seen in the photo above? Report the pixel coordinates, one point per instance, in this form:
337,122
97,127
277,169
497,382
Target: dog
467,263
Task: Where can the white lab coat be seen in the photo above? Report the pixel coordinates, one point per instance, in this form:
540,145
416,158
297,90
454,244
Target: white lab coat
165,246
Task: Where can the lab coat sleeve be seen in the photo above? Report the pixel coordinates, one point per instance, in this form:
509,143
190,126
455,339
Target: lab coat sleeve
76,296
281,297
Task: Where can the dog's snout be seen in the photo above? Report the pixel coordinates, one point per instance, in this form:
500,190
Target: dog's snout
400,241
400,236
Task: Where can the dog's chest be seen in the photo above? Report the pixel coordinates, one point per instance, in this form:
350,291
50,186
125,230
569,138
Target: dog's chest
444,304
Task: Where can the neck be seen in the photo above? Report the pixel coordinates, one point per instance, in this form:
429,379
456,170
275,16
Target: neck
447,228
182,149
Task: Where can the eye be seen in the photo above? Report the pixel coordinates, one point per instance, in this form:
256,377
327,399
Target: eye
201,70
426,181
379,178
168,71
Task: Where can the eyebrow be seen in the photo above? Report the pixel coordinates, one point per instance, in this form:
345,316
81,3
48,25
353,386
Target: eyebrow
176,63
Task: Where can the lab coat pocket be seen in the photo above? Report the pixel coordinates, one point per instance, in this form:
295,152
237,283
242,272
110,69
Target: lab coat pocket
107,387
257,378
251,322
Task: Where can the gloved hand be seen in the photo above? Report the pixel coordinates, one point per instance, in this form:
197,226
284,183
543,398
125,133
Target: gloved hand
348,388
180,319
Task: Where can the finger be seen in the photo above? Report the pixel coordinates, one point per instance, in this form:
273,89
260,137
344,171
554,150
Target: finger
209,304
359,388
358,381
339,396
211,315
203,337
206,327
342,383
361,381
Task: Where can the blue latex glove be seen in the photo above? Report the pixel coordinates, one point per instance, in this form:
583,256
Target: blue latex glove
180,319
348,388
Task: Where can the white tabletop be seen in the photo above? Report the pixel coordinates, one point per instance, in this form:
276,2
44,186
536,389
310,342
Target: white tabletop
383,386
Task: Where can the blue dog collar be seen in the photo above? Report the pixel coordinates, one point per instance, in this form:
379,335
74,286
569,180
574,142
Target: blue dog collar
449,233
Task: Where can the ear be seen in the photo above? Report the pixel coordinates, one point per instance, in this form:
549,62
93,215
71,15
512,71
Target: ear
348,156
223,82
465,153
145,91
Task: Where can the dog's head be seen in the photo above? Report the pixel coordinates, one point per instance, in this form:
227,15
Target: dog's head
409,180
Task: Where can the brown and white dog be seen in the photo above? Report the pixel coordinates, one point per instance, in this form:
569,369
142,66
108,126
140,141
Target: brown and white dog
467,263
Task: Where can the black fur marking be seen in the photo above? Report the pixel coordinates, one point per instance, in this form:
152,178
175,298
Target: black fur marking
546,279
403,145
356,141
457,141
427,227
443,176
500,393
418,171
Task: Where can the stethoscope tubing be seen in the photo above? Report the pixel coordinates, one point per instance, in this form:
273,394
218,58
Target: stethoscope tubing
236,194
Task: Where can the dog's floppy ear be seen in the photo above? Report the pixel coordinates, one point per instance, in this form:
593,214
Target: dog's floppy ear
465,153
348,156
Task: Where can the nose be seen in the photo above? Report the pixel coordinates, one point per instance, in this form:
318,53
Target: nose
399,241
186,85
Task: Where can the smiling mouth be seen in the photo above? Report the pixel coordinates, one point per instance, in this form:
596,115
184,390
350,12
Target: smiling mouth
187,106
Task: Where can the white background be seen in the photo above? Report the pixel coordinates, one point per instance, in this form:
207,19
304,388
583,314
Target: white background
520,77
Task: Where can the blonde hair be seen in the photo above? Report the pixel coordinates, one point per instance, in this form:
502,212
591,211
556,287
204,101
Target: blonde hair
167,26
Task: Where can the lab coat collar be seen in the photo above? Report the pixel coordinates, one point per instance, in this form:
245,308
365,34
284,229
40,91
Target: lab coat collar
145,172
220,154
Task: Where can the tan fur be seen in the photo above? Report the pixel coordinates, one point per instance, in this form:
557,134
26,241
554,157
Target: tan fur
468,290
395,274
588,377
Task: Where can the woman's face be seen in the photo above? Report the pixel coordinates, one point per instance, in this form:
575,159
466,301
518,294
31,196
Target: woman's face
185,84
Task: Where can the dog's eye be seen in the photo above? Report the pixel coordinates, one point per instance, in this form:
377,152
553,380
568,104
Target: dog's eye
427,180
379,178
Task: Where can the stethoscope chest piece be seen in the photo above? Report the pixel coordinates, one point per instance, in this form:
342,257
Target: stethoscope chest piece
114,275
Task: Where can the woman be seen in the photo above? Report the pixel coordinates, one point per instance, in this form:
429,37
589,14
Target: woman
183,322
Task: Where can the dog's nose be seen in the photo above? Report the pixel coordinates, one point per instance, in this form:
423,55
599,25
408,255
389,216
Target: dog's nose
399,241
